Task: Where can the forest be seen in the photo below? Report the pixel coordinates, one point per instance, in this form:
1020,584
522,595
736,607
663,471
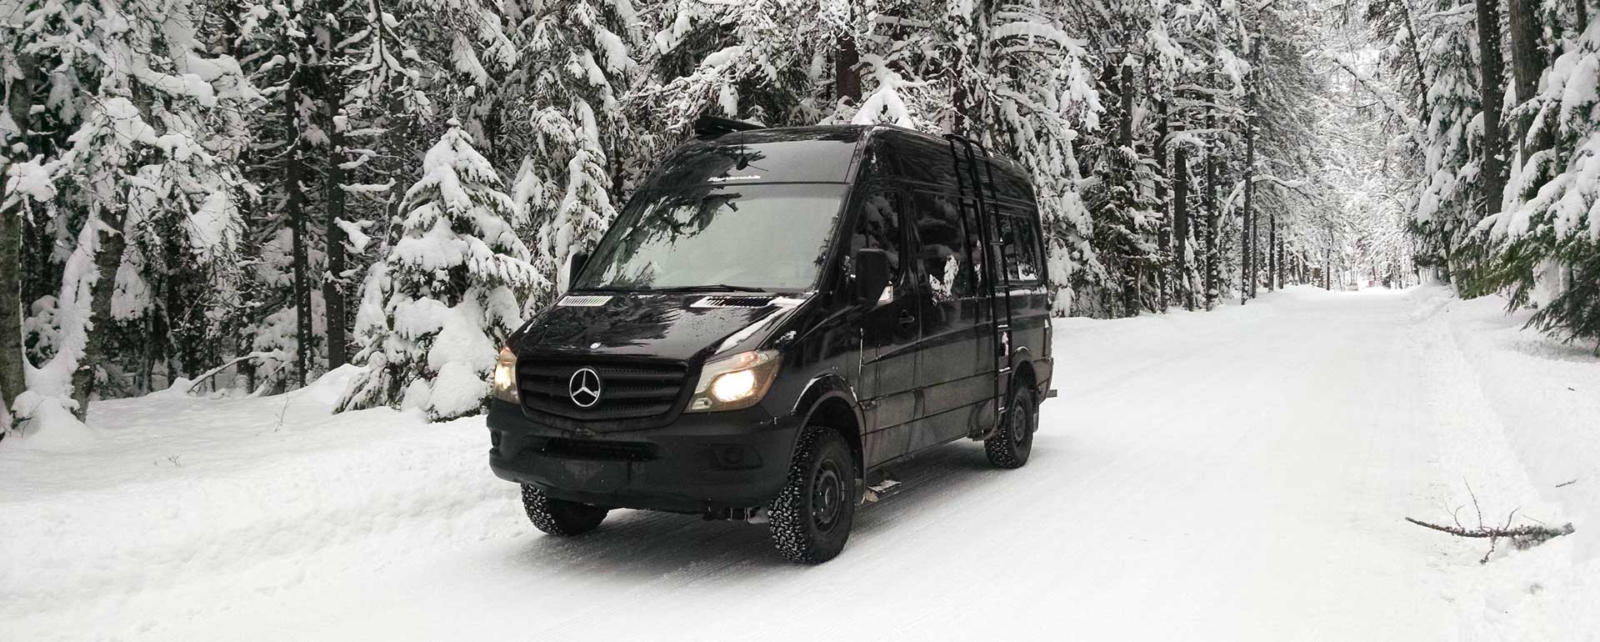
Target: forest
239,196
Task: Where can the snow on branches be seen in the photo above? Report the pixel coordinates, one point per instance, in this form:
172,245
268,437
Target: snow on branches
437,308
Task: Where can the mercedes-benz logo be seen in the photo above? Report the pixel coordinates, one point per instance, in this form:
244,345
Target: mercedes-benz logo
584,387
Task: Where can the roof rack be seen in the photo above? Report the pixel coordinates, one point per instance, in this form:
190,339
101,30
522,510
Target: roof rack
713,126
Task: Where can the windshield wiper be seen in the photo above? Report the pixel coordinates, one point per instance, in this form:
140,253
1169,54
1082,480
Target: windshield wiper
709,288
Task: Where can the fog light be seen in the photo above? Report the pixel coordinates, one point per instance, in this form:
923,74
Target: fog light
735,457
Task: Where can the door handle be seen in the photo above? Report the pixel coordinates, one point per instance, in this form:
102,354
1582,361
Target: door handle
906,318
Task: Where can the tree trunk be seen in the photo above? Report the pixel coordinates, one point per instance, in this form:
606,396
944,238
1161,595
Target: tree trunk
333,286
1272,250
1180,227
1527,62
1279,262
846,77
1164,227
19,94
1213,221
1130,276
1247,246
294,207
107,258
1416,58
1491,93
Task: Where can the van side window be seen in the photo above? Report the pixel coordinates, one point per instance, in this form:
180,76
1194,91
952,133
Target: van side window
1022,247
878,227
943,250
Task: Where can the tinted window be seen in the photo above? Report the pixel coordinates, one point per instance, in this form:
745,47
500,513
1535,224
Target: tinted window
878,227
878,163
921,160
1011,184
1023,265
942,247
763,236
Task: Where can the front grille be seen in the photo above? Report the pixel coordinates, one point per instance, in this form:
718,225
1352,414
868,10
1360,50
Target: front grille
631,390
598,450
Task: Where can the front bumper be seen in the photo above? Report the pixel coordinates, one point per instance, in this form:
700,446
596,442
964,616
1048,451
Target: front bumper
698,463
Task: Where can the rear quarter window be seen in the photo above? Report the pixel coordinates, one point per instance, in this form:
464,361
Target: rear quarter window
1024,254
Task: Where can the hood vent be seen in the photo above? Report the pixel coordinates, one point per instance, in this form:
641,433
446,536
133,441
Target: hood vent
722,301
590,301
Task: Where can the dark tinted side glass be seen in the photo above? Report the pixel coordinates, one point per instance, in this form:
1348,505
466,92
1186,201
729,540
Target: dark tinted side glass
1023,255
943,248
919,160
879,226
1013,185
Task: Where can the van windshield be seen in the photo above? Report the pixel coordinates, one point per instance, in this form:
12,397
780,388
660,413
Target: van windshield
764,236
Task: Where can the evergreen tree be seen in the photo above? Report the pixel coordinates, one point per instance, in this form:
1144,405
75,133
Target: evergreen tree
569,116
436,309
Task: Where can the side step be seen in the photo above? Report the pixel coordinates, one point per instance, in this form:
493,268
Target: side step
882,490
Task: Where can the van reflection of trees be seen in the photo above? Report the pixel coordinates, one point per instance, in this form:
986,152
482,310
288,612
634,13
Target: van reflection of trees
625,321
661,221
644,223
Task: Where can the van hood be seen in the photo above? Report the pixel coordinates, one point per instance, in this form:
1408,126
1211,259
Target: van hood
672,326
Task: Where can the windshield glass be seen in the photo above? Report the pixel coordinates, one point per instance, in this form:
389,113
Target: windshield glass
769,237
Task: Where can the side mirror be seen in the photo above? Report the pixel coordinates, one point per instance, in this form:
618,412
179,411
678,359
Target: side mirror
575,268
872,274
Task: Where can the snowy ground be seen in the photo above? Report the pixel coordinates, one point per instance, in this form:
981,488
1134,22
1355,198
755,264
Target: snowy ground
1238,475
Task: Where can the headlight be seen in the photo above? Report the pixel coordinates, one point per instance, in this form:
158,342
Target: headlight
505,377
735,382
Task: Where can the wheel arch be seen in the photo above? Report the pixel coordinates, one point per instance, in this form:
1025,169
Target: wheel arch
830,401
1023,358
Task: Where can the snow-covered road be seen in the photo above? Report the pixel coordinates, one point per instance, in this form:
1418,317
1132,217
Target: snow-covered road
1235,475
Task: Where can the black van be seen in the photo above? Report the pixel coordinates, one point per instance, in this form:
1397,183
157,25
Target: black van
776,319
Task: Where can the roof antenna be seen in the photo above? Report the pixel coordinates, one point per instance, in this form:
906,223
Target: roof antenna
713,126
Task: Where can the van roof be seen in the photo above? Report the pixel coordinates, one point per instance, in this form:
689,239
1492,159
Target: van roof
809,154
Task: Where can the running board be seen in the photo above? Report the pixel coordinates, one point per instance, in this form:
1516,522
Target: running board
882,490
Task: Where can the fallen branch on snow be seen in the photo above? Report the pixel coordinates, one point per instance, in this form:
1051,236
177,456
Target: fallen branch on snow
1522,537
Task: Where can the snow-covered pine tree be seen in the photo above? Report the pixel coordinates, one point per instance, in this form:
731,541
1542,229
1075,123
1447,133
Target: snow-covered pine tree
1547,251
1444,211
435,310
567,115
1121,194
149,150
739,60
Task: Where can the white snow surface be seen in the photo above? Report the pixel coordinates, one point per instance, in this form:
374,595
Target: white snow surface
1234,475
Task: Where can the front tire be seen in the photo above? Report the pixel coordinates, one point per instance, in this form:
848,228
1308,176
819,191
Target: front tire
1010,446
810,520
558,516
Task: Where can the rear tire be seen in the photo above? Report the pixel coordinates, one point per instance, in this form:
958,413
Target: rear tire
810,520
1010,446
558,516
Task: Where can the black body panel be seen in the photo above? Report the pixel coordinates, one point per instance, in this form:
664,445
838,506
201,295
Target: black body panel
912,369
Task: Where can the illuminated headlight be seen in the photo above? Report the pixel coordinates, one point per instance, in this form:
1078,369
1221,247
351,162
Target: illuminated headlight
735,382
505,377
